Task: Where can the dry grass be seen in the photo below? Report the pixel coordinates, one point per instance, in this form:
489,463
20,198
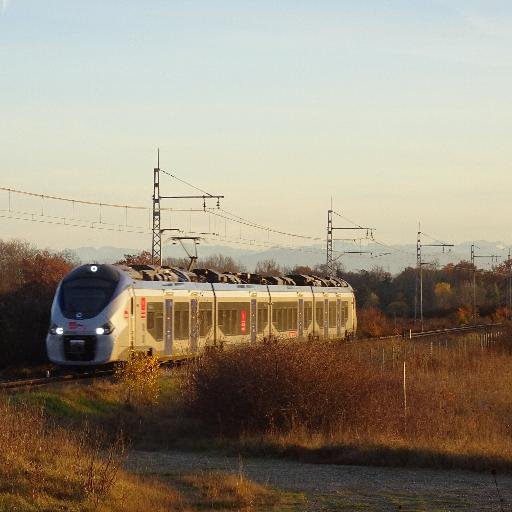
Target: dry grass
217,489
346,403
45,468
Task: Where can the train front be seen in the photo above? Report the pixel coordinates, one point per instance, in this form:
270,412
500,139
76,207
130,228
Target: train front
83,318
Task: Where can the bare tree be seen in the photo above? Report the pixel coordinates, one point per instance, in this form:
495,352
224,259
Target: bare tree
301,269
268,268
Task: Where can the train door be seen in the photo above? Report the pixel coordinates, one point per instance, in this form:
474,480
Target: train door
319,317
194,325
253,319
338,317
154,335
168,325
300,323
140,312
131,320
326,317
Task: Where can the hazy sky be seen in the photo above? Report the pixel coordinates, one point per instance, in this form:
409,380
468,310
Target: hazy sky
400,110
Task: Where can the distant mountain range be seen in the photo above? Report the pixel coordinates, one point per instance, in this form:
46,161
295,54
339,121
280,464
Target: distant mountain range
393,258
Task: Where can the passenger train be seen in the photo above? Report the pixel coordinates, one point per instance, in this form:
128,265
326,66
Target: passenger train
103,313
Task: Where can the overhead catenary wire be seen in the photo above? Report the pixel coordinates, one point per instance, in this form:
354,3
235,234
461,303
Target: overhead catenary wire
74,201
186,183
219,213
101,224
241,220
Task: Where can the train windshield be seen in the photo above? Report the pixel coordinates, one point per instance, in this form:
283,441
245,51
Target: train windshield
85,297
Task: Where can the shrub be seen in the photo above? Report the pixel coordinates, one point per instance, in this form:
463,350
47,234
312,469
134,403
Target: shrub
371,322
281,386
140,378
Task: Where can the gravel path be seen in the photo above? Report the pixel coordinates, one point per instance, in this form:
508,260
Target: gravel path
332,487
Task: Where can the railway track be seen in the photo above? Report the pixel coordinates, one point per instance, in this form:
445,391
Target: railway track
418,335
97,373
49,379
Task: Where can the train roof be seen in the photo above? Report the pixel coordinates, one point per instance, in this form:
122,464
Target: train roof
166,278
228,287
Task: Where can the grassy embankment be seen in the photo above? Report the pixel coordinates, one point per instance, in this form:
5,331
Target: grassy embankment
340,403
54,455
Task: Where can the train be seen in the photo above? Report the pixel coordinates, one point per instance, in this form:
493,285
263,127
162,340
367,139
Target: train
103,313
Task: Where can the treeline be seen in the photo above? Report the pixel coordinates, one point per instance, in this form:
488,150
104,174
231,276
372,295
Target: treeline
28,279
450,291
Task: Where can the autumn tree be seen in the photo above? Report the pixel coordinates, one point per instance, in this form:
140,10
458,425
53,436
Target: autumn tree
141,258
31,277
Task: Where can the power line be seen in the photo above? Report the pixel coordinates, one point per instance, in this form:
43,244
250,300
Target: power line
240,220
75,223
92,203
186,183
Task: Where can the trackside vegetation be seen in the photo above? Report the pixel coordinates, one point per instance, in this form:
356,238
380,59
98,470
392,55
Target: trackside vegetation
47,465
334,403
350,403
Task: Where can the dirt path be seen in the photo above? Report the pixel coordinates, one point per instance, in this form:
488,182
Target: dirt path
331,487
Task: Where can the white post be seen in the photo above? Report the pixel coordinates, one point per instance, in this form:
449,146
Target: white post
405,401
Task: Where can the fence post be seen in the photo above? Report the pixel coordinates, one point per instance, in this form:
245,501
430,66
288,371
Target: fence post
405,402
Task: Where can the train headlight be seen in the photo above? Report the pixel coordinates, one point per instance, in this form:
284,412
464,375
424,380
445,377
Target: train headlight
55,329
105,329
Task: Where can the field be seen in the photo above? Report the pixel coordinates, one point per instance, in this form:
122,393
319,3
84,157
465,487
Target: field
440,404
341,403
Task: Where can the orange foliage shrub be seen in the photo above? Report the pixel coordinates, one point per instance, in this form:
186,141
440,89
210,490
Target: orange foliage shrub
372,322
464,315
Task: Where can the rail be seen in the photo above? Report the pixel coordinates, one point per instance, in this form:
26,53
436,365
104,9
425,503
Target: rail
411,335
42,381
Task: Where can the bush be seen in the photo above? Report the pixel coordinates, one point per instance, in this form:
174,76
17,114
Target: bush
372,322
282,386
140,378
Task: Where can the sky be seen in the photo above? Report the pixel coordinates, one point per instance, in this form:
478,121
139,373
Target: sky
399,111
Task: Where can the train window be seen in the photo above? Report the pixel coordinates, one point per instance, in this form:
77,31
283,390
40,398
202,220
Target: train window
332,313
86,297
155,320
308,314
319,313
234,319
344,312
181,320
284,316
262,317
205,318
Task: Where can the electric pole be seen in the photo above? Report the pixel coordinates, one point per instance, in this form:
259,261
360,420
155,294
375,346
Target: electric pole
330,260
330,239
420,263
156,246
494,257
